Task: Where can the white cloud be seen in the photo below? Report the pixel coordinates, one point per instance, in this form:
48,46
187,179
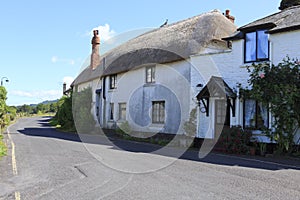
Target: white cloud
38,96
105,32
56,59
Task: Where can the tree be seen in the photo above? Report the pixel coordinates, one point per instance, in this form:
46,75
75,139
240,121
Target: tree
82,111
288,3
64,115
3,107
279,88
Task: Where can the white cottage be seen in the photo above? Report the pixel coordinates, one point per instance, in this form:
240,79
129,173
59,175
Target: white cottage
155,80
269,39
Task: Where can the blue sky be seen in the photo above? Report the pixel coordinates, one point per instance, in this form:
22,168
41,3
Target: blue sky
44,43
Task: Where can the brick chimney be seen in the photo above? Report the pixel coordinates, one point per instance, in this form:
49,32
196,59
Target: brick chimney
227,14
64,88
95,57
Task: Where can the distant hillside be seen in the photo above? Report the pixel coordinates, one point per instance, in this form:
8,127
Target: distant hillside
46,102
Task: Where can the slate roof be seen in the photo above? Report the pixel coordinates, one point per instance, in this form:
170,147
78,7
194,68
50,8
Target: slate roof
287,19
216,87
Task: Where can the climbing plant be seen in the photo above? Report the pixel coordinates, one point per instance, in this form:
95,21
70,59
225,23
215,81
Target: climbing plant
278,86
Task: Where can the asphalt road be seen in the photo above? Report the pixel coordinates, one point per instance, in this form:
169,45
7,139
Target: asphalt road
46,164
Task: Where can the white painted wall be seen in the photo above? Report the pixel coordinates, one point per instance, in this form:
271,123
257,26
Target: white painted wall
226,64
174,76
231,67
285,44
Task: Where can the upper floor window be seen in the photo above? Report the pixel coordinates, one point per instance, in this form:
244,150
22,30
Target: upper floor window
150,74
256,46
113,81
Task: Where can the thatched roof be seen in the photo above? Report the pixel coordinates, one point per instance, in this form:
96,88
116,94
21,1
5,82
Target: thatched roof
89,74
163,45
285,20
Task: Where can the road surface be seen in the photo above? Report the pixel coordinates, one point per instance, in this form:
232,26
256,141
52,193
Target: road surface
46,164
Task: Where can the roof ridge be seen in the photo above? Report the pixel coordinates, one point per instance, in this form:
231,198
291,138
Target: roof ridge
260,19
178,22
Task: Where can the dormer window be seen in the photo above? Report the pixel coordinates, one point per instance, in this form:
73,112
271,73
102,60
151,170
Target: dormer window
113,81
150,74
256,46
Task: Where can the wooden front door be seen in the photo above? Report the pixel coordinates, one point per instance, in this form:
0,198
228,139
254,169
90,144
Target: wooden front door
222,116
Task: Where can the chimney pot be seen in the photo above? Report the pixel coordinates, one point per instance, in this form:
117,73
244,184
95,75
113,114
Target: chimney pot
227,14
64,88
95,57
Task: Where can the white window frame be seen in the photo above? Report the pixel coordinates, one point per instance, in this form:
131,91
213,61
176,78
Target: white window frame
122,111
150,74
158,112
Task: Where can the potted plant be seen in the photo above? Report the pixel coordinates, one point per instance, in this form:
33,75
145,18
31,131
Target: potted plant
262,148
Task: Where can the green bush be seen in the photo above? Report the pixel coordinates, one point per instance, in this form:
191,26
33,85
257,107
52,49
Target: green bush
277,86
82,111
234,140
64,115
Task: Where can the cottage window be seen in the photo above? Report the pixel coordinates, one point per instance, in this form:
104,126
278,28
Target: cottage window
256,115
256,46
150,74
158,112
111,111
113,81
122,111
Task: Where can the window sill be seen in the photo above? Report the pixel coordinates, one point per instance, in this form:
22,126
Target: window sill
257,61
149,84
112,90
157,124
249,64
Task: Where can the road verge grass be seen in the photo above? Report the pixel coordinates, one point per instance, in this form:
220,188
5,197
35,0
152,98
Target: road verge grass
3,148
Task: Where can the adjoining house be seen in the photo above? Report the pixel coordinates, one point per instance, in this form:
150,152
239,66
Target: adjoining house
155,80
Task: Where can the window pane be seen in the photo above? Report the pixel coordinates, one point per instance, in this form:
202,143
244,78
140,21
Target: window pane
262,45
122,111
158,112
250,48
113,81
249,115
263,119
111,115
150,74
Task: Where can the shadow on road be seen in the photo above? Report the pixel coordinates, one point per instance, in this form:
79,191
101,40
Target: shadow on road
47,131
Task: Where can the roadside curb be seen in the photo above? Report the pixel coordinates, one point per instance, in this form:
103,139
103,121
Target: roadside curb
274,161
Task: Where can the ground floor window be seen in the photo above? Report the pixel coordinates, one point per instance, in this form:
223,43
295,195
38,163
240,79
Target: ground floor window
111,111
158,112
256,115
122,111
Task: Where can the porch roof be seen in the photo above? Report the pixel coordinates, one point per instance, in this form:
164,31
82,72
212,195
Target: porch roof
216,87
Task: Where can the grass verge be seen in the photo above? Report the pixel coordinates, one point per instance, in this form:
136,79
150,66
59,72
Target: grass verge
3,149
